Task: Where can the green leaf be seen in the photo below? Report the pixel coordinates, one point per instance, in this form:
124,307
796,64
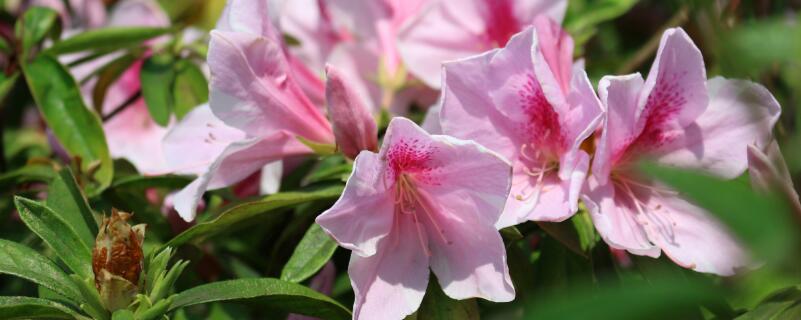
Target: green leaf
123,314
747,213
7,83
76,127
565,233
106,38
311,254
669,298
157,77
438,306
66,198
143,182
35,25
34,308
268,293
321,149
243,213
583,16
28,173
190,88
760,46
49,226
21,261
107,76
772,307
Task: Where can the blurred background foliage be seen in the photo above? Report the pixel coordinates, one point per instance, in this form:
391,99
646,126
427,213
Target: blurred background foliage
560,270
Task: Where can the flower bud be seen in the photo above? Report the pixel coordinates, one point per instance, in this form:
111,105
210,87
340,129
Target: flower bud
117,260
354,127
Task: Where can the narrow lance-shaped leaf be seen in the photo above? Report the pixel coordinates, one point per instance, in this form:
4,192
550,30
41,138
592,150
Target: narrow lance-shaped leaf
270,293
107,76
34,308
311,254
76,127
106,38
36,23
241,214
57,234
70,204
21,261
157,77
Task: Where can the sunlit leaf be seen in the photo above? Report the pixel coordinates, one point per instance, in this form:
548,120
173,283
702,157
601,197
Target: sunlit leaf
21,261
78,129
190,89
34,308
67,200
311,254
268,293
106,38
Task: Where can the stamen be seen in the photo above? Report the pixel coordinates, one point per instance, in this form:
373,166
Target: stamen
423,243
424,205
663,191
540,174
663,228
527,156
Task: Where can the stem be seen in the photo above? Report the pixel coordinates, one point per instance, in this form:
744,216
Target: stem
122,106
650,47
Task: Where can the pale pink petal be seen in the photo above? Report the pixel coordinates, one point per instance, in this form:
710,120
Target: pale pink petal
471,27
691,237
92,12
468,256
583,116
253,90
250,17
354,127
674,94
619,95
614,215
197,140
360,64
132,135
740,113
422,46
238,161
364,213
390,284
144,13
532,199
481,97
431,122
309,21
554,58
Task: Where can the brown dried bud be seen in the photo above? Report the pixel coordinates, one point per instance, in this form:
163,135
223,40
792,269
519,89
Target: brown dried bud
117,260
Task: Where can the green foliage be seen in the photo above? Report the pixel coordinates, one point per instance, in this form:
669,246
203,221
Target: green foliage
157,75
34,308
311,254
106,38
77,128
24,262
272,293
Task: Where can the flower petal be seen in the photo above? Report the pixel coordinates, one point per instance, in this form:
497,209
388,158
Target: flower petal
468,256
615,217
477,92
270,179
133,135
238,161
198,127
249,17
695,240
620,126
740,113
583,116
364,213
391,283
252,89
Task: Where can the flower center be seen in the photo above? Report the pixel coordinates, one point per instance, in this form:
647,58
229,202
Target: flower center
411,202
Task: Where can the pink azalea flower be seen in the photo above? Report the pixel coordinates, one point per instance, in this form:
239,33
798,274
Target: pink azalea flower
258,109
422,201
530,103
675,117
359,37
80,14
768,172
448,30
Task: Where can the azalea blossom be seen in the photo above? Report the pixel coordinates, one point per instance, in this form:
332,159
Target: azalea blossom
422,201
675,117
255,93
359,37
532,104
448,30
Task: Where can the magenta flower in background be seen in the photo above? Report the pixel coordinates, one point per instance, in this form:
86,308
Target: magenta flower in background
422,201
448,30
675,117
533,105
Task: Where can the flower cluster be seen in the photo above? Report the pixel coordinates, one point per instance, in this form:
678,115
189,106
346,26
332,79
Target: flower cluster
518,134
